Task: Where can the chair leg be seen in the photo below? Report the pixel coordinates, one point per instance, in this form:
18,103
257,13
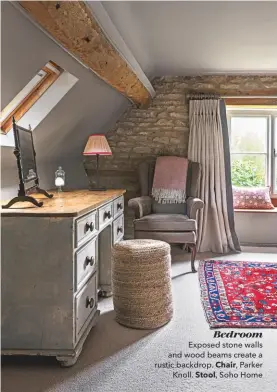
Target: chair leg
184,246
193,255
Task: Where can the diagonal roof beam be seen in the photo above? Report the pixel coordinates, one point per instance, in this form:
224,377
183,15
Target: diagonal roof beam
72,25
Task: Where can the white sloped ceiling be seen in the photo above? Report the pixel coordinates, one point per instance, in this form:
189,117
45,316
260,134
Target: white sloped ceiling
192,37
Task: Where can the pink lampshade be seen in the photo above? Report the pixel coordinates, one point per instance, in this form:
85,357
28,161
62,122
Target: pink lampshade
97,144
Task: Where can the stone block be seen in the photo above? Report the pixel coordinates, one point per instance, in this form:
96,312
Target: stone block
143,150
137,113
165,122
122,131
179,123
181,116
174,140
163,115
122,144
163,140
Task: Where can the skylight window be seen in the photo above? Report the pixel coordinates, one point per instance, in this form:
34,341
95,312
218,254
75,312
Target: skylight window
36,100
29,95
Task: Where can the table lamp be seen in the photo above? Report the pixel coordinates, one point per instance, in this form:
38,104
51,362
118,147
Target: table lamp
97,144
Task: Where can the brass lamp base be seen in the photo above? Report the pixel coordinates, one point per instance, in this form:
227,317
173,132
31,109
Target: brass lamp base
97,187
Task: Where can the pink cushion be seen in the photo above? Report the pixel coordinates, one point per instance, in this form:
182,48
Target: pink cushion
256,198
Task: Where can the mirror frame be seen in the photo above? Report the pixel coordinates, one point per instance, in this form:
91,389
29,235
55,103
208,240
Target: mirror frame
27,184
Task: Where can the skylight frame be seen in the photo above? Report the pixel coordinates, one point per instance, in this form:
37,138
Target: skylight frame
51,72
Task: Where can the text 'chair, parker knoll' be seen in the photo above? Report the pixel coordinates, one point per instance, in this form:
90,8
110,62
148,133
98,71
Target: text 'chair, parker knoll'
172,223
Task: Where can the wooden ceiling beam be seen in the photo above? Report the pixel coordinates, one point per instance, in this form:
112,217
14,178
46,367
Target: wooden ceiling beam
72,25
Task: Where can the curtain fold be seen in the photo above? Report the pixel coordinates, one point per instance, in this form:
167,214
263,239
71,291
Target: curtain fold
227,159
209,145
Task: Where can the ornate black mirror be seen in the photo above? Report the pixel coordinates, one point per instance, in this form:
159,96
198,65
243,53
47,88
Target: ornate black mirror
27,167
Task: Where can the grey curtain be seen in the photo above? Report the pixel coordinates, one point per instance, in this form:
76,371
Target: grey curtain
227,159
209,145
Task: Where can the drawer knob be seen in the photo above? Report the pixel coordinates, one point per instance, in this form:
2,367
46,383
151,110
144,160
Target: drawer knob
89,260
89,226
107,215
89,302
119,230
119,206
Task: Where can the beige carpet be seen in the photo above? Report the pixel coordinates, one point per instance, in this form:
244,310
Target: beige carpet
118,359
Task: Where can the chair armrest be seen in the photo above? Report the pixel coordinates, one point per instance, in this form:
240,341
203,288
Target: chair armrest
141,205
193,205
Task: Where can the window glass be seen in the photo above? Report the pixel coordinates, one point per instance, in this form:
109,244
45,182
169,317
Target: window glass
275,190
275,153
249,134
275,135
248,169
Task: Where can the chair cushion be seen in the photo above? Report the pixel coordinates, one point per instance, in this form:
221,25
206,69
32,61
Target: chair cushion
165,222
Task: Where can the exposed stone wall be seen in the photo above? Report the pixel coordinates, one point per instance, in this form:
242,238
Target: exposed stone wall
163,128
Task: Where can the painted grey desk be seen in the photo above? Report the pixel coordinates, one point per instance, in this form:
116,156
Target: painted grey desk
55,260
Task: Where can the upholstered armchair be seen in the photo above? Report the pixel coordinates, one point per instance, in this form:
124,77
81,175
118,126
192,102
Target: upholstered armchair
172,223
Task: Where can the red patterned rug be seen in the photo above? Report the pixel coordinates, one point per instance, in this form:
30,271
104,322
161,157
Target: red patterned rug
239,294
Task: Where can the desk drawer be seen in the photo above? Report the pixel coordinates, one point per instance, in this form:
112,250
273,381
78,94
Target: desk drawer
85,304
118,229
118,206
85,227
85,262
105,215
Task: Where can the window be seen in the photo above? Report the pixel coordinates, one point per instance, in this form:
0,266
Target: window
275,156
36,100
253,145
29,95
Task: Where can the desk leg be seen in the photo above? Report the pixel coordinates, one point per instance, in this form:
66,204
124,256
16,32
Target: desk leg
68,360
104,261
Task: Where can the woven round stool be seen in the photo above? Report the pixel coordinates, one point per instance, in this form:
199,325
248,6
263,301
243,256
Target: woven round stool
141,283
